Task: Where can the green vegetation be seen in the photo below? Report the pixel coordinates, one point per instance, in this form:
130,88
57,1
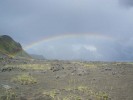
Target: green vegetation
24,79
52,93
102,96
78,93
9,47
35,66
72,97
90,65
29,66
8,95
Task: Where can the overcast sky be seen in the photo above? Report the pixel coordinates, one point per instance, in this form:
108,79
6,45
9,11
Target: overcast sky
102,29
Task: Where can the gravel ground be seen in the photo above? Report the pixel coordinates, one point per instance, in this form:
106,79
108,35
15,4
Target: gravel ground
66,80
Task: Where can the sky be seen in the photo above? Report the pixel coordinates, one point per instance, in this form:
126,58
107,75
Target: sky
92,30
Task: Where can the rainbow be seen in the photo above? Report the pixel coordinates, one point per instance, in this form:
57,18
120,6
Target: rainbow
67,35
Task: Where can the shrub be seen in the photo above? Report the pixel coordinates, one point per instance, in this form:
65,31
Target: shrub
24,79
8,95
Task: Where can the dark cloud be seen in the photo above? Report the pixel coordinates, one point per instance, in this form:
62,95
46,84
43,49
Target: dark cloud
127,3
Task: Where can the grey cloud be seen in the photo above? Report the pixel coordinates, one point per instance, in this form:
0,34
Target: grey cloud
28,21
90,48
127,3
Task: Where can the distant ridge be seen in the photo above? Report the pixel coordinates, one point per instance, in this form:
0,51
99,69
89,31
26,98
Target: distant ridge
9,47
38,57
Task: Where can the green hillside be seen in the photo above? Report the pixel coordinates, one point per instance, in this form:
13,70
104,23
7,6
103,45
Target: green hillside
10,47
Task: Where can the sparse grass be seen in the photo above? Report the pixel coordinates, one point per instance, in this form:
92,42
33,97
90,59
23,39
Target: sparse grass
35,66
88,92
8,95
57,95
73,90
83,93
82,88
102,96
31,66
131,63
24,79
89,65
52,93
72,97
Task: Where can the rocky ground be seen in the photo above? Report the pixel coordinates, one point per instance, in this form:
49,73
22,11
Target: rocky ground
65,80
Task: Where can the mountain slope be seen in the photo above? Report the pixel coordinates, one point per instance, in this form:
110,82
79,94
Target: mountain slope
39,57
10,47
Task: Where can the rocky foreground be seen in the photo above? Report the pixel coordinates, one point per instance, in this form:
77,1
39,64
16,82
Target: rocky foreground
65,80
